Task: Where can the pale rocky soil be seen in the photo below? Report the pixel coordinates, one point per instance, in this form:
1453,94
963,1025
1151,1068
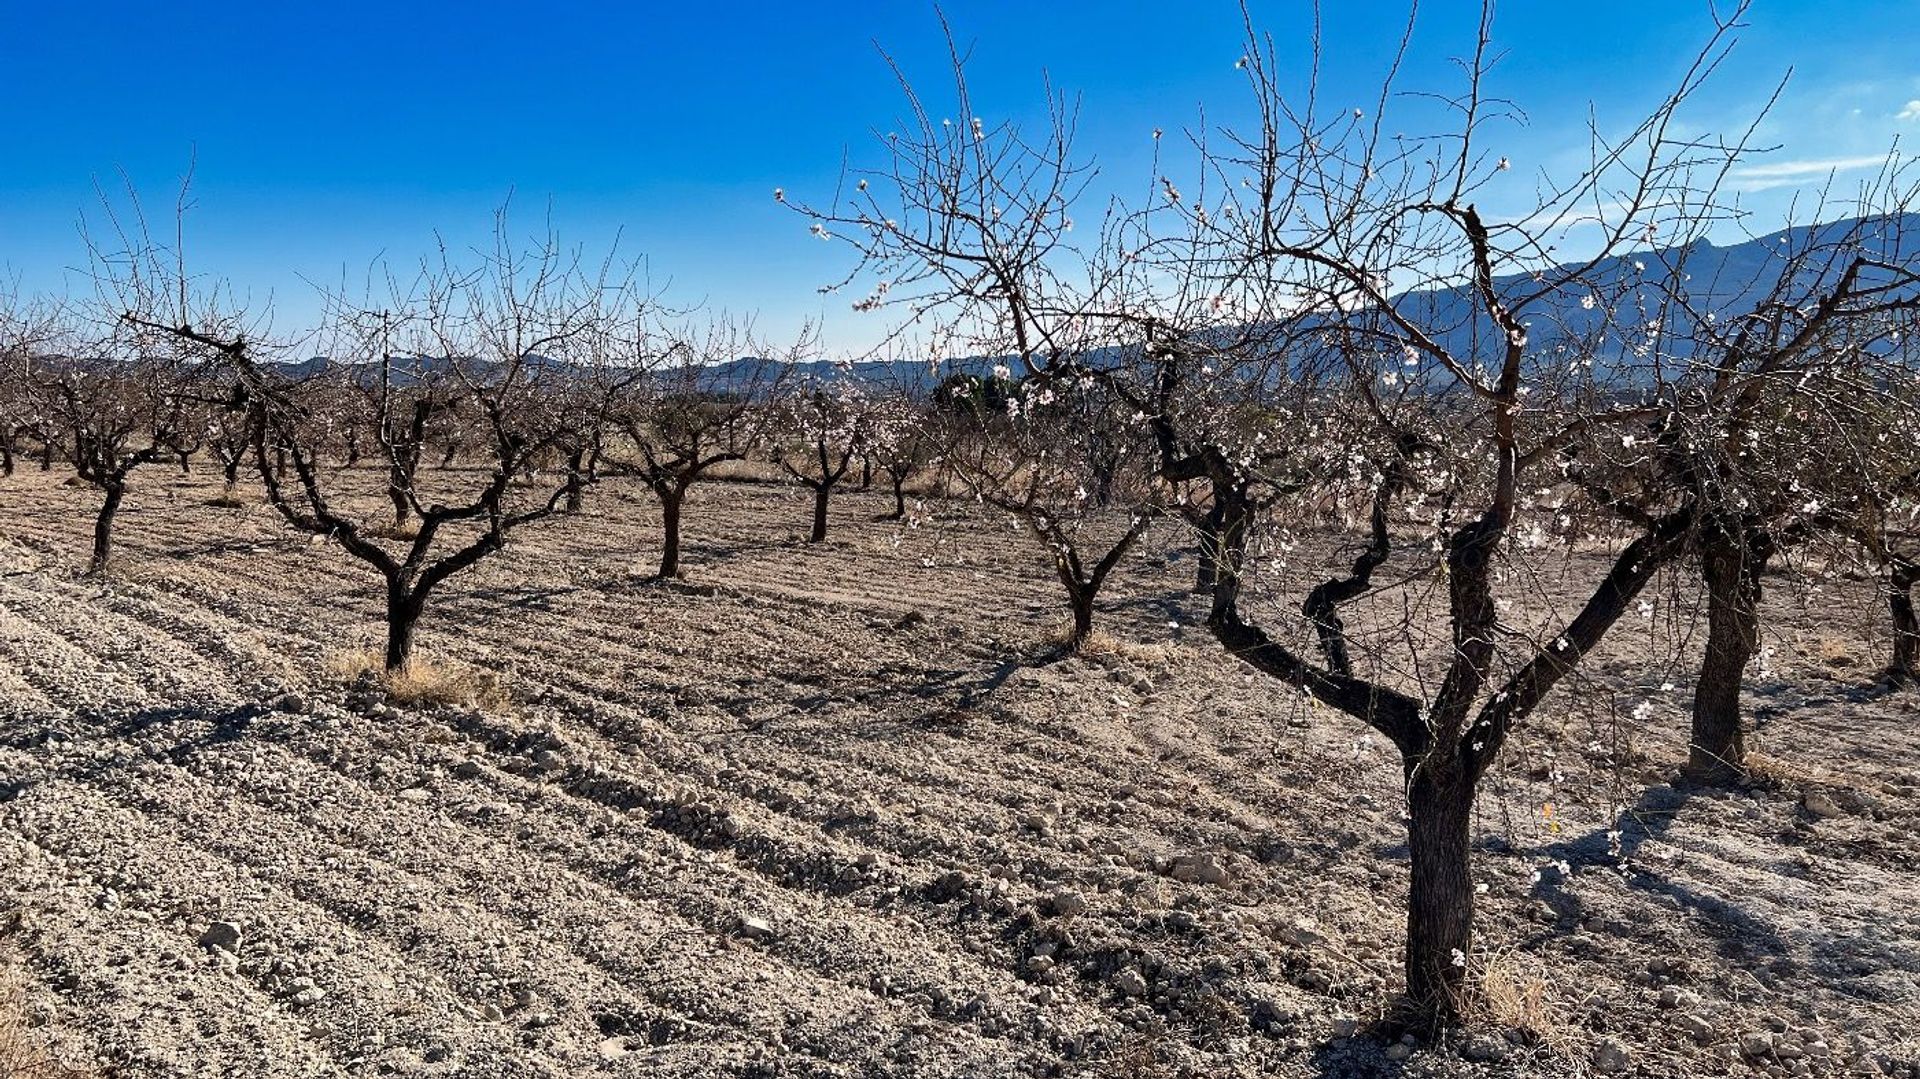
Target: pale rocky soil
827,814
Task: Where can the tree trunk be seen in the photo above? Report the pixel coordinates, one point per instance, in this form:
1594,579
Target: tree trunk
866,473
820,495
46,455
670,535
1440,905
1906,622
576,480
403,614
899,498
1207,573
186,463
280,462
6,454
231,469
1081,601
103,525
397,494
1731,570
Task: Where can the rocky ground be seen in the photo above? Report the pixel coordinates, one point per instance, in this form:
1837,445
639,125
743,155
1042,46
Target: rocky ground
824,811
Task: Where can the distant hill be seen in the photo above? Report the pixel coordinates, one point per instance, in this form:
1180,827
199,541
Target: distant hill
1725,280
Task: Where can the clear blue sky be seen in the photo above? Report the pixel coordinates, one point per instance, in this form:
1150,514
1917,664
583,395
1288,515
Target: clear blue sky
327,135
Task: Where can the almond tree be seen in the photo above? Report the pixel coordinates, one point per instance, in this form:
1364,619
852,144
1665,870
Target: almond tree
902,444
123,398
694,405
818,427
1770,416
1044,461
493,337
1369,248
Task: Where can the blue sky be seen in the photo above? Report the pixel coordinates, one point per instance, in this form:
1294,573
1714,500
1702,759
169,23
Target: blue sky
328,136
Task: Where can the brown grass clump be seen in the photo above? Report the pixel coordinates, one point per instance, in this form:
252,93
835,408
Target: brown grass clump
408,530
424,682
1833,652
24,1049
1101,645
1514,994
1775,773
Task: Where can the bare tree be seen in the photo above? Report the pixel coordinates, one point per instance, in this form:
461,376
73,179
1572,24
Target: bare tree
124,398
699,402
491,339
1047,461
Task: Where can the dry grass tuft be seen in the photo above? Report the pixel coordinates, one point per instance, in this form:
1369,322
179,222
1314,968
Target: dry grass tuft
1779,774
1102,645
423,682
1833,652
1514,993
24,1049
409,530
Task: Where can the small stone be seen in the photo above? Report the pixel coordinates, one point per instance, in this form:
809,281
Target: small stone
1067,902
1198,869
1610,1057
492,1013
756,929
613,1049
1755,1044
415,794
1821,805
292,704
1486,1048
541,1019
1675,997
224,936
1346,1028
1399,1051
1130,983
1695,1027
309,996
550,761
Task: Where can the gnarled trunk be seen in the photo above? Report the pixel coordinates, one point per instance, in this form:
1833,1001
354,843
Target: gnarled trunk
1731,563
116,490
397,494
820,496
576,479
670,533
899,497
1440,904
1206,573
1901,579
404,605
1080,600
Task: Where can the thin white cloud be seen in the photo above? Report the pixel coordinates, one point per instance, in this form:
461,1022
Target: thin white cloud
1910,113
1808,169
